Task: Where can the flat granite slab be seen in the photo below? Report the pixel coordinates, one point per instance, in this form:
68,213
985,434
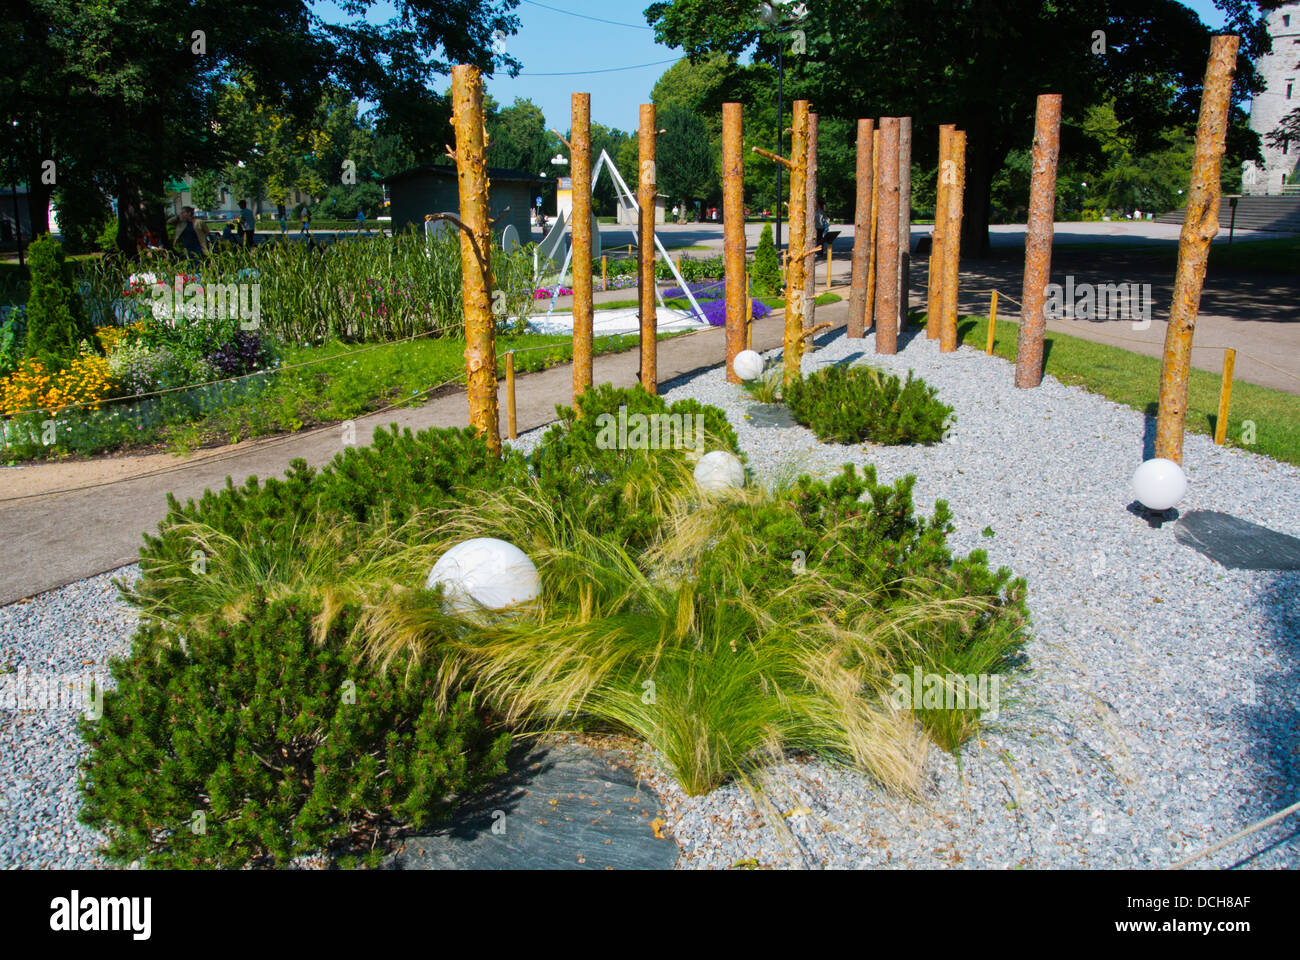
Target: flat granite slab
1237,544
560,807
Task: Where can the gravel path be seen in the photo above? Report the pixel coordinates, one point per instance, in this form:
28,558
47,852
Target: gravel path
1158,712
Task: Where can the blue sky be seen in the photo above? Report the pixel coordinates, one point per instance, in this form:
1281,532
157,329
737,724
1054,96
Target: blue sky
559,39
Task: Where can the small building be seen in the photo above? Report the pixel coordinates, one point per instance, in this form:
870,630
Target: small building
432,188
627,216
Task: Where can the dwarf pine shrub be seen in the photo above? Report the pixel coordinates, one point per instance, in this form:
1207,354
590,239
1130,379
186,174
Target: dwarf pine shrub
251,743
850,404
617,481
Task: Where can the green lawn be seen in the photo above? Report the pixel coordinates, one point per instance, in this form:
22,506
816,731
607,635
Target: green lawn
1134,380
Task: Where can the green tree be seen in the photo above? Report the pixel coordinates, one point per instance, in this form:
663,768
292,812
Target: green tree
981,65
56,318
684,162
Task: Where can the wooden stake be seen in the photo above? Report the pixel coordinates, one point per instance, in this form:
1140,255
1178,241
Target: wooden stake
869,315
810,228
952,244
604,274
934,286
1038,241
886,312
649,371
511,422
993,322
1225,396
476,254
1200,224
733,227
794,288
828,266
583,316
861,231
904,220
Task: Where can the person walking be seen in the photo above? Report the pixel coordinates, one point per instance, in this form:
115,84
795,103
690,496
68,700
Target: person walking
361,221
191,234
247,225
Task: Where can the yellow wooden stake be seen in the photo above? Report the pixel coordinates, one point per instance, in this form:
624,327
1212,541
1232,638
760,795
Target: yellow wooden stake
1225,397
993,322
828,266
604,275
510,393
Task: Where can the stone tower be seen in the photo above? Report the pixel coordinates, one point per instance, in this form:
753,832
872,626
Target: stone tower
1281,71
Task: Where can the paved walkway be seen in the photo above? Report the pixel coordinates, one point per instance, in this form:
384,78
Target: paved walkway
62,537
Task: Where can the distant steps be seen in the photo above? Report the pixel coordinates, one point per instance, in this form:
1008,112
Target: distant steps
1280,214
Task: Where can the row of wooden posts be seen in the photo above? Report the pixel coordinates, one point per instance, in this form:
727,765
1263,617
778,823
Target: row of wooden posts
879,295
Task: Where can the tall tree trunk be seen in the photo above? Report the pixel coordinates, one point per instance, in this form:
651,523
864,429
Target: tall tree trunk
810,227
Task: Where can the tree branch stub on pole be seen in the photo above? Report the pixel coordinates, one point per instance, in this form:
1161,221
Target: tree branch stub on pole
1200,224
733,220
886,311
476,254
861,231
1038,241
646,188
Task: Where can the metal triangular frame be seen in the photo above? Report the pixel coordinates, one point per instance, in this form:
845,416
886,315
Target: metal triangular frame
627,199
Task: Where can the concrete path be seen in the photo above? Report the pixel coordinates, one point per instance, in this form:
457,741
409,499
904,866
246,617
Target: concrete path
55,538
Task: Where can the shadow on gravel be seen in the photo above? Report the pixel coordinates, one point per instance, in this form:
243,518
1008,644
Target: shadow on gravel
1274,724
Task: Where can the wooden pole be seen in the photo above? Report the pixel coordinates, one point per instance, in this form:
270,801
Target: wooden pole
904,219
861,232
733,227
828,266
794,307
810,228
869,317
993,322
511,419
1200,224
1038,241
583,316
887,240
476,254
952,244
934,286
646,188
1225,397
604,274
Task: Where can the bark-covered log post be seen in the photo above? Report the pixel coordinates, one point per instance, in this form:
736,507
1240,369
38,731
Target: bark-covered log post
886,311
580,150
1200,224
733,227
869,317
952,242
1038,241
794,274
476,253
810,228
904,219
934,285
645,198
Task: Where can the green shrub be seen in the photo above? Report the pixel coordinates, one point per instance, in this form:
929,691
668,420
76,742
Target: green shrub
13,339
252,743
619,493
850,404
765,273
56,320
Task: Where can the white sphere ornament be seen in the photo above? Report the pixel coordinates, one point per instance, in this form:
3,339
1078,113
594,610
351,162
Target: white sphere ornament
748,365
485,573
719,470
1159,484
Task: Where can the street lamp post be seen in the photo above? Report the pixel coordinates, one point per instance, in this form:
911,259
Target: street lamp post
772,12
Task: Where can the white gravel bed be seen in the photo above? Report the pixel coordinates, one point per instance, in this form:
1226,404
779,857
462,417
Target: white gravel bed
62,636
1157,713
